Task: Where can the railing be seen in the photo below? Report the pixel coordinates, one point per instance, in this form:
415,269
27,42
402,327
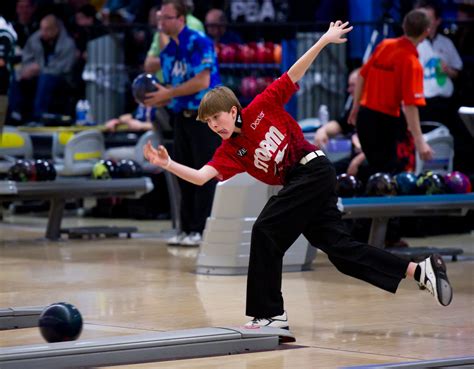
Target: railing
108,76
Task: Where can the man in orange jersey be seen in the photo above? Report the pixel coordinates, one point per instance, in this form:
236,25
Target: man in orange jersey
392,77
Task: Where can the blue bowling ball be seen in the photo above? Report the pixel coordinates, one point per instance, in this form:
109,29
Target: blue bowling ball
406,183
142,85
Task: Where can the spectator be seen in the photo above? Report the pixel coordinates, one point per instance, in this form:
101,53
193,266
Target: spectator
191,21
189,68
88,28
356,164
340,126
152,61
25,24
126,9
160,40
142,119
391,77
8,38
216,26
47,60
441,64
7,44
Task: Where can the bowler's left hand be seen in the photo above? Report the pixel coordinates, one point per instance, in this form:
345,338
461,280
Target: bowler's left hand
159,98
336,32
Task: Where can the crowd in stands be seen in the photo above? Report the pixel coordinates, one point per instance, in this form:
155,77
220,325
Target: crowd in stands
42,47
46,70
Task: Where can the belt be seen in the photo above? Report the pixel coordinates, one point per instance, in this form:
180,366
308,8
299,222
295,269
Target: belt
308,157
187,113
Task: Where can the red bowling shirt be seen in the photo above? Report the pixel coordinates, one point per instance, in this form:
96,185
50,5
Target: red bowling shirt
271,141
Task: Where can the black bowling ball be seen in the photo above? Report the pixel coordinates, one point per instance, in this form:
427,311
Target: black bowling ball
381,184
45,170
22,171
129,169
60,322
347,185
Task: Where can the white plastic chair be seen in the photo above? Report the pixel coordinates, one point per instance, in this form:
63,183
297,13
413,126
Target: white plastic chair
79,154
14,144
442,143
138,152
467,116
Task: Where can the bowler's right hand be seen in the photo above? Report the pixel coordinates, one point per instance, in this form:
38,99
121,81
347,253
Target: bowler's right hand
157,156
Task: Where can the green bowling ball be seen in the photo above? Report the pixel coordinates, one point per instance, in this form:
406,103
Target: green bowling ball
104,169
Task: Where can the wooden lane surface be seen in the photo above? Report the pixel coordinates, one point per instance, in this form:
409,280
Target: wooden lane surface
130,286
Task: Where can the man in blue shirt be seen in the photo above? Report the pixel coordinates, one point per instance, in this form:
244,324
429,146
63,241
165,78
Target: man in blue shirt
189,67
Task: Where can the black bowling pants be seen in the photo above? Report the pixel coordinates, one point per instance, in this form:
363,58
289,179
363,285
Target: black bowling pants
307,205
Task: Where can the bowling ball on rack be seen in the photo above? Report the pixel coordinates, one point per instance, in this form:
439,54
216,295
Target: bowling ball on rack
104,169
261,84
277,54
248,87
381,184
227,54
269,52
45,170
457,182
347,185
127,168
430,183
261,53
60,322
142,85
245,54
22,171
406,183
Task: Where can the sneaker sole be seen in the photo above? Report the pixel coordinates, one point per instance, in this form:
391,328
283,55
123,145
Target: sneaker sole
443,289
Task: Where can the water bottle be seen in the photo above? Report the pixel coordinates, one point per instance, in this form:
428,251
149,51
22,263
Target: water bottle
323,114
80,113
88,114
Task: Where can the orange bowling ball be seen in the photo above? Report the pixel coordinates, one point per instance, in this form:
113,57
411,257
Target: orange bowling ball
277,54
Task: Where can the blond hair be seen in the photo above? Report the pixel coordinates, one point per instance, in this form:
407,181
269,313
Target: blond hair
219,99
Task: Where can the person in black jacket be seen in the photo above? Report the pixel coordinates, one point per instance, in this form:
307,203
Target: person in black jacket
8,38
